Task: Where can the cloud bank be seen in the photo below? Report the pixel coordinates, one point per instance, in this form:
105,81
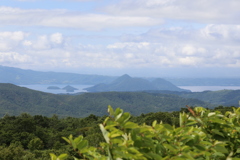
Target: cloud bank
123,34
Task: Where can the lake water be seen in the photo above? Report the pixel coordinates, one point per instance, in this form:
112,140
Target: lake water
43,88
80,88
209,88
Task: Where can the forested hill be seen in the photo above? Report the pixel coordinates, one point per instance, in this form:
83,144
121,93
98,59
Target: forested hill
221,97
21,76
15,100
127,83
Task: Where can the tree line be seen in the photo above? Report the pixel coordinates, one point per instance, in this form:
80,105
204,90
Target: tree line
35,137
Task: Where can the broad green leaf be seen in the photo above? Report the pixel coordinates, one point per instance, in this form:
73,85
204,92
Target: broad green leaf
154,123
130,125
211,114
217,132
110,110
118,113
124,118
221,149
66,139
53,156
63,156
105,133
82,145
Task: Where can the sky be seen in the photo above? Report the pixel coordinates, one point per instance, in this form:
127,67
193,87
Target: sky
147,38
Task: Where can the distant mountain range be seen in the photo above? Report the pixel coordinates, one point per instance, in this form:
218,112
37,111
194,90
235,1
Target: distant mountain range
127,83
25,77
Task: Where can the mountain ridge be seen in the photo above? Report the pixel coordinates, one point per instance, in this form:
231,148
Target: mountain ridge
15,100
127,83
24,77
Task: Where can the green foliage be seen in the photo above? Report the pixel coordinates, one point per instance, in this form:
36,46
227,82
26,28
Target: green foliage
35,144
222,97
15,152
202,134
16,100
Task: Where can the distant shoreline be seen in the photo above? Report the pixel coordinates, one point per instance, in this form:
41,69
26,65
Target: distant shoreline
43,88
209,88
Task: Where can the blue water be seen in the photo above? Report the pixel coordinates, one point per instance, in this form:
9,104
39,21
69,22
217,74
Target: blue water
80,88
43,88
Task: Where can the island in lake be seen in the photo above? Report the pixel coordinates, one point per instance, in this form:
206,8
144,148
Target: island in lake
53,87
69,88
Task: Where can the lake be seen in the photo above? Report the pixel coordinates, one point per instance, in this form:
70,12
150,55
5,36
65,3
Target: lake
210,88
43,88
80,88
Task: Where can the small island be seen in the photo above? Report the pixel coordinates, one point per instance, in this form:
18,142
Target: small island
53,87
69,88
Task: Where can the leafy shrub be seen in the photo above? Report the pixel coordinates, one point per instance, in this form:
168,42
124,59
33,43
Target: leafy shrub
202,135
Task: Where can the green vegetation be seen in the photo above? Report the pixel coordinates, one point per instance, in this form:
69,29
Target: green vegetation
202,134
27,137
15,100
223,97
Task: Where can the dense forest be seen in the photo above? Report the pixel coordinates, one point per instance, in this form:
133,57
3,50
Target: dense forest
34,123
15,100
27,137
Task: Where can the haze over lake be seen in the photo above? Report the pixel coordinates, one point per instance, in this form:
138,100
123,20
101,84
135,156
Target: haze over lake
43,88
209,88
80,88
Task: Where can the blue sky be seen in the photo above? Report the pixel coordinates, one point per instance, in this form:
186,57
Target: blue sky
151,38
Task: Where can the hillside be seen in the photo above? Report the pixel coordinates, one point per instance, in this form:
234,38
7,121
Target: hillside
15,100
221,97
224,97
127,83
24,77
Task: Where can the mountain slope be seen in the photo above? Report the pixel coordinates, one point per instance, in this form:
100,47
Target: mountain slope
223,97
127,83
15,100
162,84
23,77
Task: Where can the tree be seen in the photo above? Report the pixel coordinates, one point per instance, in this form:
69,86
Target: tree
35,144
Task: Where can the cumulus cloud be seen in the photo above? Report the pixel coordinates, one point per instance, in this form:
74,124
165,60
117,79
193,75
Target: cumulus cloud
163,47
10,40
7,58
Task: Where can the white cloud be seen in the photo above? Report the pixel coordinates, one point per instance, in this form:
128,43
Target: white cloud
7,58
42,43
4,46
11,40
16,36
27,43
190,61
188,50
174,47
56,38
204,11
64,18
